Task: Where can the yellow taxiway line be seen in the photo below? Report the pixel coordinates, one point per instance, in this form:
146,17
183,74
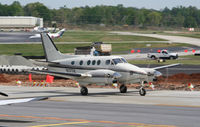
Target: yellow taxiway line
79,121
59,124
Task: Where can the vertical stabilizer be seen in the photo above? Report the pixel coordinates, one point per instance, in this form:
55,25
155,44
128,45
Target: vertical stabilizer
50,50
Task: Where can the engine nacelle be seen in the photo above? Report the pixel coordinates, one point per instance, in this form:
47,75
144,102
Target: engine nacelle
104,73
101,76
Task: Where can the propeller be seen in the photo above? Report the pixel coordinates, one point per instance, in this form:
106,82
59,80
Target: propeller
116,75
157,73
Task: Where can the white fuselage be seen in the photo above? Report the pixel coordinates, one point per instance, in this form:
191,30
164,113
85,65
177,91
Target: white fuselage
101,64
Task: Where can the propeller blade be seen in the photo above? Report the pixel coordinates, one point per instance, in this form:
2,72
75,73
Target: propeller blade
116,75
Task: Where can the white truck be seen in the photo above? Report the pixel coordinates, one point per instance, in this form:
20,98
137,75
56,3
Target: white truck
163,54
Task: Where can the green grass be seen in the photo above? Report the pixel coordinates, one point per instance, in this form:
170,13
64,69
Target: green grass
37,50
34,49
188,60
129,46
92,36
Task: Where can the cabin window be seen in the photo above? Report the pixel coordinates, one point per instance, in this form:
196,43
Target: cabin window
107,62
164,52
93,62
88,62
98,62
116,61
81,62
73,62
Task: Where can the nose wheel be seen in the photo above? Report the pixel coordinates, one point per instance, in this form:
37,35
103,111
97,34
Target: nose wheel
84,91
142,91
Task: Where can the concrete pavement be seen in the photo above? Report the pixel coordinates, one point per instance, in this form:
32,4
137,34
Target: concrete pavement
103,107
172,39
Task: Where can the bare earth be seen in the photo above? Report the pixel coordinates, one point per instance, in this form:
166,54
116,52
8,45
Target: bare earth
175,82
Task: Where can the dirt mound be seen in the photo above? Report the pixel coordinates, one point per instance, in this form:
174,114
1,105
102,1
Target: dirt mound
3,79
175,82
181,78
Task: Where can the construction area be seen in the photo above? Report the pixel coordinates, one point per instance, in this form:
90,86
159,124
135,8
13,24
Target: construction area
173,82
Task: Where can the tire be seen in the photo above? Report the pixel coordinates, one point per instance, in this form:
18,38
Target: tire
142,92
123,89
153,57
84,91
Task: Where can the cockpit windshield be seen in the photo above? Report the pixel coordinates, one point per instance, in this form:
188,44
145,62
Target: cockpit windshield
124,60
116,61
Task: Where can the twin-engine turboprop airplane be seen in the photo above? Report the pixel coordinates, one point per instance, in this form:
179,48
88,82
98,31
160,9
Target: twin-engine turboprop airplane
100,70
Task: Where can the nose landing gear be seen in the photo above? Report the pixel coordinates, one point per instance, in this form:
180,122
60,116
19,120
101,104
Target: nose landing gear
142,91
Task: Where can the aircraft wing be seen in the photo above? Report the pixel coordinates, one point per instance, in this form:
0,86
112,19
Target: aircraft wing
89,74
14,101
61,74
166,66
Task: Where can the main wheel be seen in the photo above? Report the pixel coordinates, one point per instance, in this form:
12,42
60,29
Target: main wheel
123,89
142,92
84,91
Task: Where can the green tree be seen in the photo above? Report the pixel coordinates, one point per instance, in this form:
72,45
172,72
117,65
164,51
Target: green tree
39,10
190,22
16,9
154,18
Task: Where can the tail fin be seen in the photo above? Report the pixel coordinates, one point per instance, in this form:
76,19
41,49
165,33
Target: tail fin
61,32
51,52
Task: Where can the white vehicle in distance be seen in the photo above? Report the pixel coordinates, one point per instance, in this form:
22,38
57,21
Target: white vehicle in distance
197,53
163,54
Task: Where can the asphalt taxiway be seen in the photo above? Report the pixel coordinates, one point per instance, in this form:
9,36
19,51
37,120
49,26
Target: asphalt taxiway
17,37
103,107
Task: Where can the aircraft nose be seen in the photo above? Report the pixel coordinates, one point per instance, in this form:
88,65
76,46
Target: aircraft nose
141,71
132,68
138,70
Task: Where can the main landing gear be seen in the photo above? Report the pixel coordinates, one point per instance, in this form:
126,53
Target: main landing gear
84,91
123,89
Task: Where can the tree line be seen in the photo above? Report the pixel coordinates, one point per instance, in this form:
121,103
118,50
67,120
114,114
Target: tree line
107,15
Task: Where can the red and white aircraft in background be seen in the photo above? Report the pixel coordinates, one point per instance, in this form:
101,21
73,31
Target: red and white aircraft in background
52,35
